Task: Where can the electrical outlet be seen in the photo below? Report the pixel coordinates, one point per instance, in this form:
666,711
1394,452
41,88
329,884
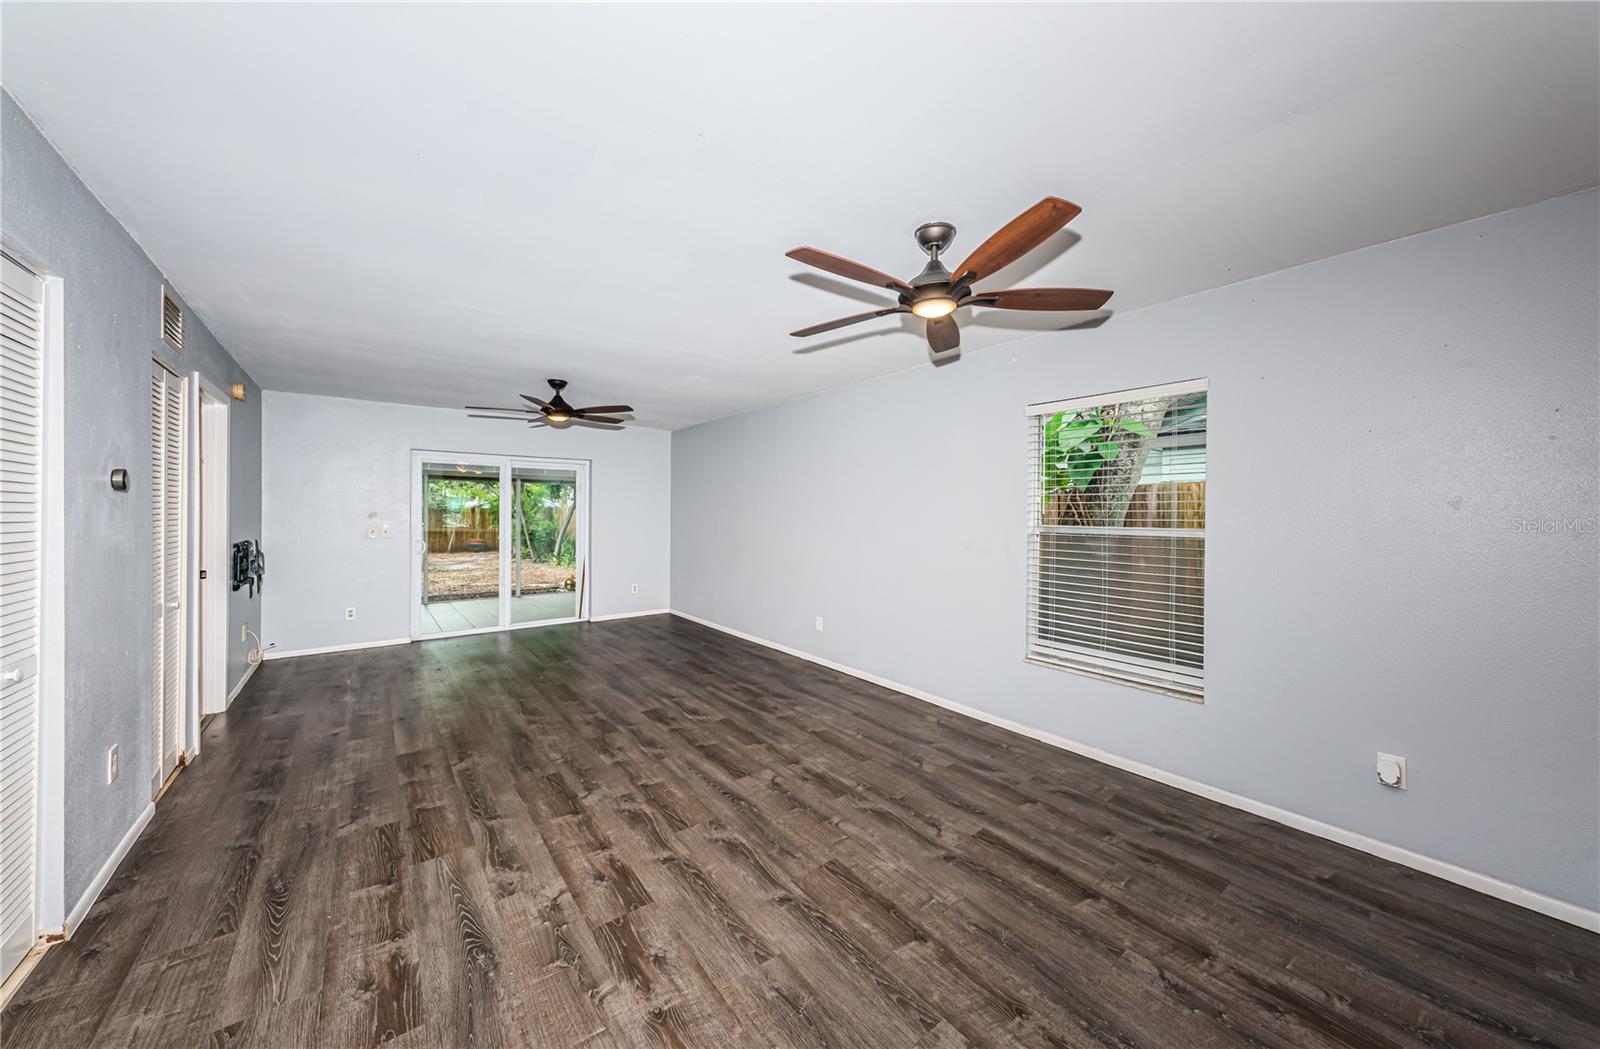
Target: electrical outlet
1392,771
372,531
111,765
636,588
386,531
819,624
350,613
244,632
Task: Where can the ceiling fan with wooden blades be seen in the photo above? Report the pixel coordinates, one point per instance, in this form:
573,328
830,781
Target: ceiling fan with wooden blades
539,412
937,292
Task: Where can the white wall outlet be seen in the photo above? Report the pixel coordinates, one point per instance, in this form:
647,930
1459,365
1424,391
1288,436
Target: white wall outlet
1392,771
372,531
244,632
635,588
819,624
111,764
386,531
350,613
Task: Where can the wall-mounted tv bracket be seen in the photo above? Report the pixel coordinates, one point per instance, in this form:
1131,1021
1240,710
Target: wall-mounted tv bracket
249,565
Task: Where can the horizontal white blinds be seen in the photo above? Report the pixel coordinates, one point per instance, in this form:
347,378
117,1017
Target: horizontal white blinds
1116,537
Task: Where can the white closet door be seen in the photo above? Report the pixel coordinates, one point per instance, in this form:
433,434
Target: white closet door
166,507
21,434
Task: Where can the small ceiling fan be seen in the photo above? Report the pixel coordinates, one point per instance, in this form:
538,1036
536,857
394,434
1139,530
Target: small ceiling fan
936,292
539,412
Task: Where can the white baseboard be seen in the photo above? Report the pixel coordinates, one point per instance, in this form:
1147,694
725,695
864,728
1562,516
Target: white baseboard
80,910
1571,913
233,693
279,653
630,615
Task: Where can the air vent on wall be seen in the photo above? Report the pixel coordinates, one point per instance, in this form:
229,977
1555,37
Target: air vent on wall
171,321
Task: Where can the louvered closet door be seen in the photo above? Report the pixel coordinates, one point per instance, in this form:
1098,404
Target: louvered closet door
21,361
166,507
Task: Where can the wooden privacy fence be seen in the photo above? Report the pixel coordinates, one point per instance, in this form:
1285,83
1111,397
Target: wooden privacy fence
1127,594
475,524
1164,504
1168,504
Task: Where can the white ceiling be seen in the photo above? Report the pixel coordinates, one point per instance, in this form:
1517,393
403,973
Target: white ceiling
444,204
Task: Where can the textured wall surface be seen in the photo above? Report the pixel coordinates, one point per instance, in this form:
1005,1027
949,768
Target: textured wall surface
334,465
112,306
1401,537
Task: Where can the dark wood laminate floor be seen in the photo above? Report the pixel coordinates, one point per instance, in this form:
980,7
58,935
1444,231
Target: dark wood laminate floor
645,833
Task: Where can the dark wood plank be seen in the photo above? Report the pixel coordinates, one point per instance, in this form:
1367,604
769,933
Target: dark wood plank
649,834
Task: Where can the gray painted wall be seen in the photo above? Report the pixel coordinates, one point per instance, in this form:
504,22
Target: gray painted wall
1380,424
334,465
112,305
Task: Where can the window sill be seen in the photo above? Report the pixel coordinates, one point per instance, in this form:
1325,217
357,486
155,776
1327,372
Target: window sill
1117,679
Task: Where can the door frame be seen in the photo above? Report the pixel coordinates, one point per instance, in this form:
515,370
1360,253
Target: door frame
506,464
211,546
51,872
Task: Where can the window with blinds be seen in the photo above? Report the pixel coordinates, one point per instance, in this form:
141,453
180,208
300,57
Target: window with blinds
1117,536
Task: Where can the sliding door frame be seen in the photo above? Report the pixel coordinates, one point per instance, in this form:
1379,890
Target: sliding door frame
507,465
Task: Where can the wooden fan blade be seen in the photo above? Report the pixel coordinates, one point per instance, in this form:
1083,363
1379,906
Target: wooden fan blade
604,409
533,399
1043,299
943,335
474,415
598,418
855,318
843,267
1017,237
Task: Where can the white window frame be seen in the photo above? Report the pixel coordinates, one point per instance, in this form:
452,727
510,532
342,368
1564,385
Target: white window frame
1146,674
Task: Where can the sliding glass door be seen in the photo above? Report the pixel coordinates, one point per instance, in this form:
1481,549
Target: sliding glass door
544,543
500,542
461,569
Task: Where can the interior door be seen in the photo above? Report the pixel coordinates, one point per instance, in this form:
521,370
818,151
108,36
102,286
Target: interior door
166,508
21,448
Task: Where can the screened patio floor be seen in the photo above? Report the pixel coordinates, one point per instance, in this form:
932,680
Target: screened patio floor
443,617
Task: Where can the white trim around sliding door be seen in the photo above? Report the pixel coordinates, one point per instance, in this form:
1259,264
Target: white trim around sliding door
506,464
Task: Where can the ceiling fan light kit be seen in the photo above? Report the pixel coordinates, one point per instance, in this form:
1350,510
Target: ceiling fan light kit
936,292
555,411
